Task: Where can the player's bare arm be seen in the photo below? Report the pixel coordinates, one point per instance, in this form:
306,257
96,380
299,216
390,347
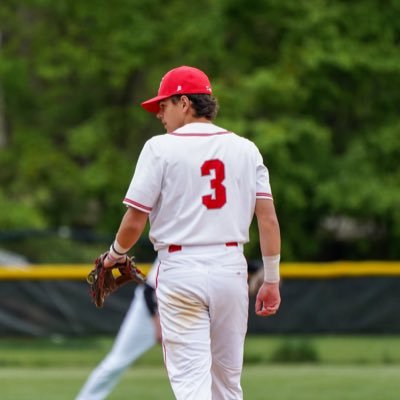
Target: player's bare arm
130,229
268,297
268,226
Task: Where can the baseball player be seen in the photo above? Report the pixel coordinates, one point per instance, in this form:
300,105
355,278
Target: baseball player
200,186
139,332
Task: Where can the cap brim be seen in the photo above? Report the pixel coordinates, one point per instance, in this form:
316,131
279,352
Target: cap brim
152,104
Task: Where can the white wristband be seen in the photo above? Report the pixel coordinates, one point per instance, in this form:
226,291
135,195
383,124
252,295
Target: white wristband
117,250
114,259
271,268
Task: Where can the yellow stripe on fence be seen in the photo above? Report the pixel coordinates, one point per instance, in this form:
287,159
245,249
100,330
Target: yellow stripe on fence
288,270
339,269
52,271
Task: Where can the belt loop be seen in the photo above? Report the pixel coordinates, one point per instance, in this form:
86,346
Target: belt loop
174,247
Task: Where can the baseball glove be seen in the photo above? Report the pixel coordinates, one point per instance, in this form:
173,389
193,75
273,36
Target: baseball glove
103,281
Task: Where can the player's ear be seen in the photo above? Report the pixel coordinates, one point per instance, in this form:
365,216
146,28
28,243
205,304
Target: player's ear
186,103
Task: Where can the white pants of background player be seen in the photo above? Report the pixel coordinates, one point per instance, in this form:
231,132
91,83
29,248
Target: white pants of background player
136,335
202,296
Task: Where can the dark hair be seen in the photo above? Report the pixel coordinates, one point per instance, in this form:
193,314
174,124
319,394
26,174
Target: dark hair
204,105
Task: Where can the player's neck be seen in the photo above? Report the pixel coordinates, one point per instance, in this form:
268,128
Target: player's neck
190,119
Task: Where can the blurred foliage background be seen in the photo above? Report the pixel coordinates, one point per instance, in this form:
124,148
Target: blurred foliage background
314,83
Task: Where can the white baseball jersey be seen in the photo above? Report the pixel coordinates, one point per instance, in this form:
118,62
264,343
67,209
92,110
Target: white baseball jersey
199,184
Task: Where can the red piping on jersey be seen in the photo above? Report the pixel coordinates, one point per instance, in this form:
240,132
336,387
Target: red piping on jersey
134,203
162,342
269,195
158,271
199,134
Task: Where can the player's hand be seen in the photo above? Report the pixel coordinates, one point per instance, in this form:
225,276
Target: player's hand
110,261
268,299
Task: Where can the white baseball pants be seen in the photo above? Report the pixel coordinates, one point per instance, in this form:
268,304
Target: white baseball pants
136,336
202,296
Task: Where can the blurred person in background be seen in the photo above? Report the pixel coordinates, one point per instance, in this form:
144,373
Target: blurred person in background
139,332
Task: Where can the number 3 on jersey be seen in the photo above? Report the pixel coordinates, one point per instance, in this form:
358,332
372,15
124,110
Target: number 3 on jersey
218,199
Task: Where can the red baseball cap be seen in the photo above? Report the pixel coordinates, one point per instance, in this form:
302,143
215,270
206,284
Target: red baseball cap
181,80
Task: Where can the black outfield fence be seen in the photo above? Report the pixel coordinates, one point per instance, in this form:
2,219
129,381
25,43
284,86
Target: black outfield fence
48,300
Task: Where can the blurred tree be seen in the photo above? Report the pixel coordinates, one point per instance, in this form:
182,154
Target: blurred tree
313,83
318,84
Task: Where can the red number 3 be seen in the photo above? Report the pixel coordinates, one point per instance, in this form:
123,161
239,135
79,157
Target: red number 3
219,198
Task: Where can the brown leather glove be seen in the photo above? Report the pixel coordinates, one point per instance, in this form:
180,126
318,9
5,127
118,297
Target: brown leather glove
104,281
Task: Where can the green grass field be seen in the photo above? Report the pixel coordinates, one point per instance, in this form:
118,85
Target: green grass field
300,382
345,368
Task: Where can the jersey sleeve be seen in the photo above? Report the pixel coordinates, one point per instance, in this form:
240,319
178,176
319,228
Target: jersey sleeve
145,186
263,187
